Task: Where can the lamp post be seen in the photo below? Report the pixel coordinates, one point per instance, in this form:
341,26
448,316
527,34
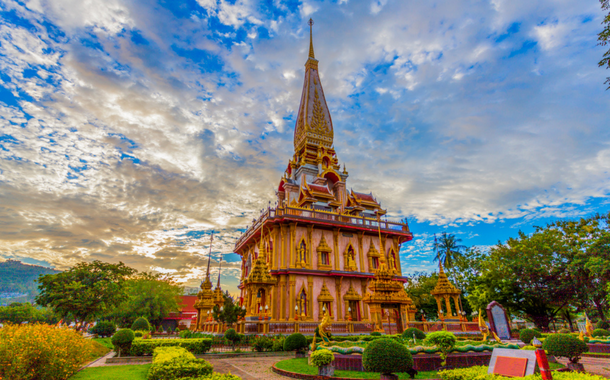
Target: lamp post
349,313
296,312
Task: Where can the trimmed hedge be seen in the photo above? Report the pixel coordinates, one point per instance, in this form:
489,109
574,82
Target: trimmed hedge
122,341
600,333
140,324
386,356
480,373
527,335
142,347
295,342
322,357
179,368
104,329
408,333
566,346
375,333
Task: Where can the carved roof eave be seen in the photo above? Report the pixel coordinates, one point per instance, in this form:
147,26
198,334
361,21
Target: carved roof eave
325,295
352,295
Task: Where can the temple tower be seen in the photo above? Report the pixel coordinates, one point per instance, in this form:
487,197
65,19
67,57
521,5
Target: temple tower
322,243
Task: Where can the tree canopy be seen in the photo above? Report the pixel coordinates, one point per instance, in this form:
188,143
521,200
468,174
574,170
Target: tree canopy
231,311
604,38
86,291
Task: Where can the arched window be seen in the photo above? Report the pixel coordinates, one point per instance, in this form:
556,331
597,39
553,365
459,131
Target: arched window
302,253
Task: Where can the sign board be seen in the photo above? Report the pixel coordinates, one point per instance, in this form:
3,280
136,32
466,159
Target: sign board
512,363
498,320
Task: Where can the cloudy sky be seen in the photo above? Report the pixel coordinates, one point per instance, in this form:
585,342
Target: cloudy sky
132,129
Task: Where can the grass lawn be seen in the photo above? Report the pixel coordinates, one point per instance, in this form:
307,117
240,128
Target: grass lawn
119,372
300,366
104,342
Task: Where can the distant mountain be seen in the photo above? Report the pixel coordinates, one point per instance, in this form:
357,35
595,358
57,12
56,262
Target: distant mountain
17,281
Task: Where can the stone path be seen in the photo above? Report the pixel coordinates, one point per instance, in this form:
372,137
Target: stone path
598,366
101,361
249,368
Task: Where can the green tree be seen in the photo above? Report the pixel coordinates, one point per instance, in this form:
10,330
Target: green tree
418,287
26,312
604,37
86,291
528,275
230,312
149,295
448,249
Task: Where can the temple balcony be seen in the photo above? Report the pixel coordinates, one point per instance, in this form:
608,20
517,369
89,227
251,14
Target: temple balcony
322,217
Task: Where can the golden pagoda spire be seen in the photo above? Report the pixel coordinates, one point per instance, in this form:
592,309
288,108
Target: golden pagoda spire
311,55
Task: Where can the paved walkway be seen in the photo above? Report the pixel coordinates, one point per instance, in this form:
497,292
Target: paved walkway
249,368
598,366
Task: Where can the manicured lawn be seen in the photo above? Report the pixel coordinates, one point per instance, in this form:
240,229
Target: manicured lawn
119,372
300,366
104,342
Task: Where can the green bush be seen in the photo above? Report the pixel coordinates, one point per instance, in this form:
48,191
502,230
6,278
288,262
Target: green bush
566,346
603,325
164,354
375,333
232,336
138,334
526,335
444,340
564,331
214,376
122,341
140,324
104,329
278,344
147,347
322,357
408,333
262,343
470,373
600,333
386,356
295,342
179,368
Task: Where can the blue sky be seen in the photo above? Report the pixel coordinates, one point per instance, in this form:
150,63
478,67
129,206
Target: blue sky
132,129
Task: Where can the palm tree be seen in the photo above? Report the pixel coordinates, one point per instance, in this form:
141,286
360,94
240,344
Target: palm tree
447,249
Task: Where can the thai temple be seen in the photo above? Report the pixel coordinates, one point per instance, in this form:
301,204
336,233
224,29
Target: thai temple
324,248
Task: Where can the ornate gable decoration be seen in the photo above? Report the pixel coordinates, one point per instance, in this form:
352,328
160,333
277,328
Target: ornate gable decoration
443,286
352,294
260,272
325,295
373,251
323,246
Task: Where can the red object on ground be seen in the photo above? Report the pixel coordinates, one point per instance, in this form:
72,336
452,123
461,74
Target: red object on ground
543,364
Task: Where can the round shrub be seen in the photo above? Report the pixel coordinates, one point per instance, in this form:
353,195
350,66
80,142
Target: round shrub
564,331
104,329
375,333
138,334
295,342
444,340
600,333
140,324
603,325
566,346
386,356
122,340
232,336
322,357
526,335
408,333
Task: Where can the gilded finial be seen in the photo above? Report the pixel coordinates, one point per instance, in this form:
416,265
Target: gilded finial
310,23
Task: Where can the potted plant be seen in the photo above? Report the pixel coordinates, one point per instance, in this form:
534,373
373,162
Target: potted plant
323,360
567,346
387,357
296,342
444,341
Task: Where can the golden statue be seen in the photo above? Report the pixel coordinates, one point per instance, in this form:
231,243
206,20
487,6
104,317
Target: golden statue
483,326
391,263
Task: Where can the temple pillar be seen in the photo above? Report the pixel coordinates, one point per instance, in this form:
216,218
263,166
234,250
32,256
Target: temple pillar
311,298
292,284
336,248
448,305
309,263
282,290
397,251
361,252
382,246
365,311
338,314
283,246
293,256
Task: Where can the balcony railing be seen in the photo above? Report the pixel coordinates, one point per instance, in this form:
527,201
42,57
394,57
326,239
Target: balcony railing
271,213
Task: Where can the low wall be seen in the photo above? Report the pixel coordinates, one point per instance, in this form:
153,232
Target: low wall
421,362
599,348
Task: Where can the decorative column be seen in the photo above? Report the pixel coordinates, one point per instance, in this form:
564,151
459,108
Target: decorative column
336,248
292,284
283,244
282,290
382,247
397,251
309,248
311,298
365,309
458,312
361,253
339,314
293,231
448,304
276,239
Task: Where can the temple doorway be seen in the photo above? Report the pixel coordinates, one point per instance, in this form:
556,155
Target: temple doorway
391,318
